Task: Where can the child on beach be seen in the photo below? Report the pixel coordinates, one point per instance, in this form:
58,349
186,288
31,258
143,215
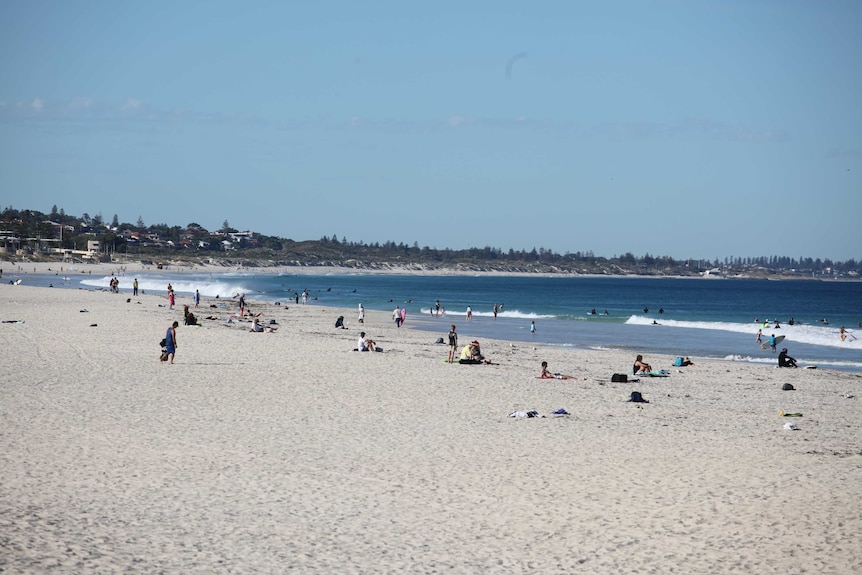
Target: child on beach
453,343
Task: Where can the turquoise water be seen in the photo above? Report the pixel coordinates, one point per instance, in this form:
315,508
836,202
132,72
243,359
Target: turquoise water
701,317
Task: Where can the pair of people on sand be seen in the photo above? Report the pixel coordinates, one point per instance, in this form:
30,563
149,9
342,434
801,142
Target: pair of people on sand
472,354
257,327
366,344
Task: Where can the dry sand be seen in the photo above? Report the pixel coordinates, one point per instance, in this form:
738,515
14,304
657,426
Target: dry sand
288,452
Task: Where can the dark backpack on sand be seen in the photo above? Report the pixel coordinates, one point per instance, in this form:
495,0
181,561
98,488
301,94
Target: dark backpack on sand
619,378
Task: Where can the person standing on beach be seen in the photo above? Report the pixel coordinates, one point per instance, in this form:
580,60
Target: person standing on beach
396,315
533,327
135,287
361,313
453,343
197,298
241,306
171,299
403,315
170,343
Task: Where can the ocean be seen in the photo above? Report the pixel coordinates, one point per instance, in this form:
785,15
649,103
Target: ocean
699,318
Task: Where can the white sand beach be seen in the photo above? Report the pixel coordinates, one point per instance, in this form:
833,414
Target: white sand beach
289,452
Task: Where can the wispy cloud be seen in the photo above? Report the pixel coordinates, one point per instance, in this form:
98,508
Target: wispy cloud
85,109
80,104
131,105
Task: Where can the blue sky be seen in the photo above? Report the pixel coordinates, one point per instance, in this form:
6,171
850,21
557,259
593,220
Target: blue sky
682,128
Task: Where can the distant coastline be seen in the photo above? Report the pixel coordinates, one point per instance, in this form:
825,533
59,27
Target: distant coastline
125,266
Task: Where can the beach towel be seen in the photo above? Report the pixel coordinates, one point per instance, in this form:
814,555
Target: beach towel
531,413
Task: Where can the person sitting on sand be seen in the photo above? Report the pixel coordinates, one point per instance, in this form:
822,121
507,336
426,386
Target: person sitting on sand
640,367
548,375
785,360
686,362
472,354
365,344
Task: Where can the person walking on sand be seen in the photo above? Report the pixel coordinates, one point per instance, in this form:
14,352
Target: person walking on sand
533,328
170,343
453,343
197,298
361,313
396,315
135,287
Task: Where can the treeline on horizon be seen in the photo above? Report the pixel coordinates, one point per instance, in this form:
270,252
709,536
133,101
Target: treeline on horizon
72,232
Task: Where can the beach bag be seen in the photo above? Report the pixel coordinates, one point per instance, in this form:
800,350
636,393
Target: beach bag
619,378
678,362
163,343
636,397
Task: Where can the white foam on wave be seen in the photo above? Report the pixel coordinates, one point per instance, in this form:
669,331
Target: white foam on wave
510,314
208,288
810,334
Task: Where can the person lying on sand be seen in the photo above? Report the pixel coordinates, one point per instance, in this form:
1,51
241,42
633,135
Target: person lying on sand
548,375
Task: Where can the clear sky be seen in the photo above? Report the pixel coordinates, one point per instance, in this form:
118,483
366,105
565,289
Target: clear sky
685,128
